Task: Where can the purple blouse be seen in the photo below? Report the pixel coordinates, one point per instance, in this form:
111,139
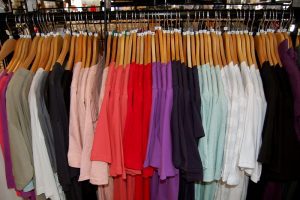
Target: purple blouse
166,168
288,58
150,160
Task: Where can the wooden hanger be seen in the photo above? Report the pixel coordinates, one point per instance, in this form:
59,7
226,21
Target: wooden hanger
138,46
234,52
173,51
214,49
46,59
108,49
252,49
201,50
279,37
57,48
46,46
161,46
126,49
218,49
122,49
275,44
168,46
146,49
222,50
205,53
89,53
227,41
272,47
267,47
84,49
25,50
259,49
16,52
70,62
184,47
79,49
134,44
118,50
193,49
176,45
243,44
8,47
248,49
157,46
188,50
17,55
181,52
153,47
33,51
240,52
37,58
141,49
130,45
197,41
95,49
114,48
65,48
149,47
209,42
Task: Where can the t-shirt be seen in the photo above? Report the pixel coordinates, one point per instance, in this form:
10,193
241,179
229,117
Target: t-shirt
288,58
20,145
45,178
99,169
67,176
75,144
44,120
91,102
4,80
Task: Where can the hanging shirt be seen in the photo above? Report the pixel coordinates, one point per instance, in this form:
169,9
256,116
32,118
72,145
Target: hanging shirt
101,150
232,123
67,176
269,129
4,80
205,112
165,182
75,144
247,158
147,105
6,193
288,58
214,128
81,101
166,168
91,102
192,167
115,130
19,132
178,150
223,122
99,169
133,141
44,120
153,131
235,173
45,179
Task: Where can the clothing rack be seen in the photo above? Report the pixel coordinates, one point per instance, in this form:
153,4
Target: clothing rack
132,11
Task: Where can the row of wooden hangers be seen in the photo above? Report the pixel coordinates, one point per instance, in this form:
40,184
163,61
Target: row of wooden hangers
195,48
45,49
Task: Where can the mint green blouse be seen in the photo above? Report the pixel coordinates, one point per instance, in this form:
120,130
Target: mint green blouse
214,110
